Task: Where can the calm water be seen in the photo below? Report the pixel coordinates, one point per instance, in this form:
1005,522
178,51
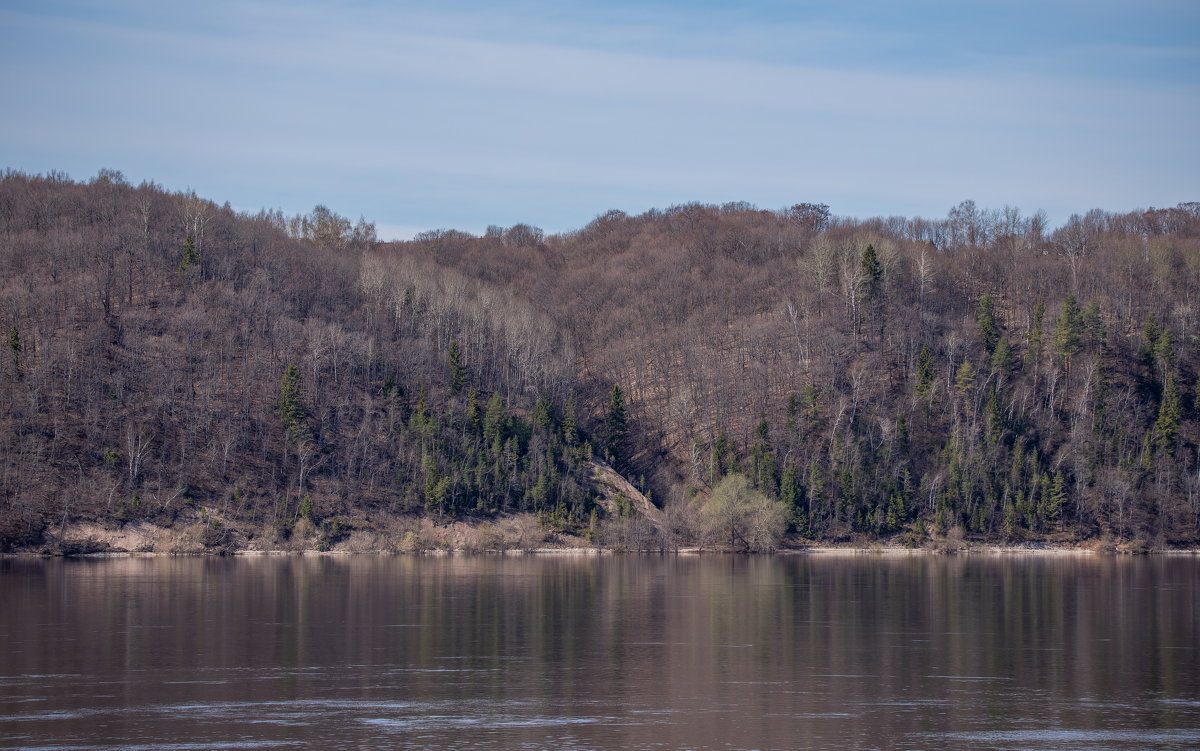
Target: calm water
601,653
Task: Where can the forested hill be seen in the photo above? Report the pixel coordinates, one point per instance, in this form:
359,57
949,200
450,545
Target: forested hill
169,360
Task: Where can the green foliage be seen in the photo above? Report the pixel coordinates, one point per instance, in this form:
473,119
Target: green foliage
458,374
924,372
742,518
1164,351
14,346
985,323
292,412
762,460
1166,427
872,277
1054,498
569,425
1067,330
1091,325
615,426
1150,334
493,419
543,413
964,379
190,256
1002,356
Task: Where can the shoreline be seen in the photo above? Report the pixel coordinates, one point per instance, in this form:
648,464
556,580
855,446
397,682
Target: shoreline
814,550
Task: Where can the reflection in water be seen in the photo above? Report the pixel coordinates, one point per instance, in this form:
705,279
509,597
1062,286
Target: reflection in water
1061,652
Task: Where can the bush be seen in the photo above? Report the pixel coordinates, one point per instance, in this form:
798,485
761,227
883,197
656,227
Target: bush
742,518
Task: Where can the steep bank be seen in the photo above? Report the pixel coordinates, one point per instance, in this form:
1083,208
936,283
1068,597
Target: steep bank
884,380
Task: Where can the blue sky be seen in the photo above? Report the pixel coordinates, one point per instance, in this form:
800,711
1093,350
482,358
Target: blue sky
464,114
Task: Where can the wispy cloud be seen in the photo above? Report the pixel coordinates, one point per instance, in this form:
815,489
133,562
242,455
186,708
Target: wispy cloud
463,116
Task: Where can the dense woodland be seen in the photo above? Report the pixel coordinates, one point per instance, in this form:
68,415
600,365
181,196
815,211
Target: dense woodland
984,375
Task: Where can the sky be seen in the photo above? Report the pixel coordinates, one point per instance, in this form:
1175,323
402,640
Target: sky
462,114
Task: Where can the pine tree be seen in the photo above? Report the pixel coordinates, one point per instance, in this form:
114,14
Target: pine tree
1002,356
190,257
1054,495
1169,414
1066,330
14,346
1091,325
458,371
570,427
292,412
871,291
1150,332
924,372
964,379
493,419
762,460
985,323
473,412
615,424
789,490
1164,351
872,275
543,413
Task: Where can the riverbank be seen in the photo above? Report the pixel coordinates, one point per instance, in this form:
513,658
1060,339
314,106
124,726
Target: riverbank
515,535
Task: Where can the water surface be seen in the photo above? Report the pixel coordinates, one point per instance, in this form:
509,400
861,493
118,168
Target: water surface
716,652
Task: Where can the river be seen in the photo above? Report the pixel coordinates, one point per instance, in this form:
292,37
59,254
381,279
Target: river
601,652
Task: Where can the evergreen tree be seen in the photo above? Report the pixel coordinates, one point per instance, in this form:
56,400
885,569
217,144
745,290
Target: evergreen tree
924,372
615,424
1169,415
1150,333
964,379
1091,325
190,257
473,412
1054,494
1164,351
458,371
993,415
493,419
985,323
762,460
543,413
292,412
570,427
872,277
1066,330
14,346
1002,358
789,492
871,292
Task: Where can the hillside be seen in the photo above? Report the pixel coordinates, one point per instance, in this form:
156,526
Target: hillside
169,360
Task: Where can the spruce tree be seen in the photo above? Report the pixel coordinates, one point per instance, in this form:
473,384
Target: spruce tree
1169,415
292,413
1067,330
14,346
615,424
985,323
458,371
190,257
924,372
570,427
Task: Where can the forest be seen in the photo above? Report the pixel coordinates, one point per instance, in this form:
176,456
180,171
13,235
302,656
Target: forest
753,378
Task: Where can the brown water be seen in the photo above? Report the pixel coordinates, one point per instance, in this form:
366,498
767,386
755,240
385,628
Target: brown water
601,653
